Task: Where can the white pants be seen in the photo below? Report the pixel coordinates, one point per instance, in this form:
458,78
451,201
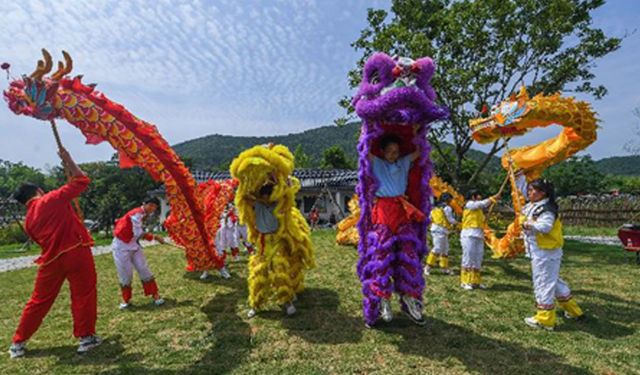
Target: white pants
547,284
472,252
440,243
227,238
126,261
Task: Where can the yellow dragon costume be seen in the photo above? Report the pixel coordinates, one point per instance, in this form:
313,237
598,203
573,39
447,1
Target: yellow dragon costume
517,116
276,271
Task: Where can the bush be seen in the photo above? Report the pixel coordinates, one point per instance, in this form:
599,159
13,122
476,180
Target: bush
12,234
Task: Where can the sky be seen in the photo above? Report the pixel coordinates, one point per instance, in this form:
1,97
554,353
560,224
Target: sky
239,67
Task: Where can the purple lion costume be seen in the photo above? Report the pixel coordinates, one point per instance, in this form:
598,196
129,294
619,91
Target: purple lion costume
395,95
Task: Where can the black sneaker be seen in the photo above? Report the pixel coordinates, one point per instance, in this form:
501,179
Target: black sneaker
87,343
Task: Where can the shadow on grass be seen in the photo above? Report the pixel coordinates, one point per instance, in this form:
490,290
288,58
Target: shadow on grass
230,337
214,277
169,303
509,270
319,319
110,352
600,327
603,315
443,341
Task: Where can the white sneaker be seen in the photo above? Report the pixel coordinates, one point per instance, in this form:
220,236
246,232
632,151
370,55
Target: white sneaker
124,306
158,302
533,323
251,313
289,309
87,343
481,286
225,273
466,286
205,275
17,350
385,310
427,270
447,271
414,310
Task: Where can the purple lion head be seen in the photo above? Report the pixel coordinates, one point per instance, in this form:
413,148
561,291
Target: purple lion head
398,90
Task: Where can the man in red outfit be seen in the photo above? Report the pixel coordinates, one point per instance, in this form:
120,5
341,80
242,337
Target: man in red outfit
66,244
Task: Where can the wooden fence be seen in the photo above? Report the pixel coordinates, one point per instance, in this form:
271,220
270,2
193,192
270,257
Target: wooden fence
603,211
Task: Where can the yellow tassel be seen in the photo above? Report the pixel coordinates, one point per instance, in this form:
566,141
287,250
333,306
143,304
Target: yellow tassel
477,278
571,307
432,259
546,317
465,277
444,262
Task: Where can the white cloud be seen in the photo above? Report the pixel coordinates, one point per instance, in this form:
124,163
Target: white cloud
199,67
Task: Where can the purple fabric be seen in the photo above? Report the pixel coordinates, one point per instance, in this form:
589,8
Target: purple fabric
393,262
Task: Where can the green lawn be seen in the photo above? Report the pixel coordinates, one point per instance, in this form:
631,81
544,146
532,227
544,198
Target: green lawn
16,250
202,329
590,231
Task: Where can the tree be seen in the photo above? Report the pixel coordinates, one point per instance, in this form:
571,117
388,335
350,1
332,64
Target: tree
576,175
334,157
112,191
302,160
12,175
483,50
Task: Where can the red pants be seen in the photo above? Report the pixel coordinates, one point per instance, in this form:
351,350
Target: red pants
77,267
395,212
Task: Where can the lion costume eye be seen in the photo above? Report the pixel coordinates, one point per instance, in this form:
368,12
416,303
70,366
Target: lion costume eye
374,78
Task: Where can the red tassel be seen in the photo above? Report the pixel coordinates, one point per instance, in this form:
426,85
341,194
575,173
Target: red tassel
150,287
126,293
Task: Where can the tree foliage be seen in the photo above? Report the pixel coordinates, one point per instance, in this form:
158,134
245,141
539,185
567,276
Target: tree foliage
113,191
12,175
302,160
334,157
576,175
483,50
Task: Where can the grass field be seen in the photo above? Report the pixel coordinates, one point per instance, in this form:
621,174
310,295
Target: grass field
589,231
202,329
16,250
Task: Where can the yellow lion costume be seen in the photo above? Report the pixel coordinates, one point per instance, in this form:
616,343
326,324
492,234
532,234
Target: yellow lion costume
276,270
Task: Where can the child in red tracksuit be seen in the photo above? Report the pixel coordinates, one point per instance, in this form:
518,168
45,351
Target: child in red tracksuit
127,252
66,244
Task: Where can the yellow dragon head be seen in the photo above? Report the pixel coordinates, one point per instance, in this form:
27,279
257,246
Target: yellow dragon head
504,121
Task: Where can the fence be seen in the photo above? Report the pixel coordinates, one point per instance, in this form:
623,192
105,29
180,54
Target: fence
604,211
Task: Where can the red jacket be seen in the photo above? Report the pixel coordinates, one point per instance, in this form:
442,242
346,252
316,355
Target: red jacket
124,226
53,224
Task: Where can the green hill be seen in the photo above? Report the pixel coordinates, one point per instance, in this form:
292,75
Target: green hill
620,165
215,151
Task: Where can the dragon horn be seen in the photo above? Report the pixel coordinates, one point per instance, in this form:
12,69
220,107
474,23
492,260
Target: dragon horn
63,68
44,67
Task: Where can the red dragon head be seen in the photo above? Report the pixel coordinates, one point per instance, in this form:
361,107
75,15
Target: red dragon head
33,95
